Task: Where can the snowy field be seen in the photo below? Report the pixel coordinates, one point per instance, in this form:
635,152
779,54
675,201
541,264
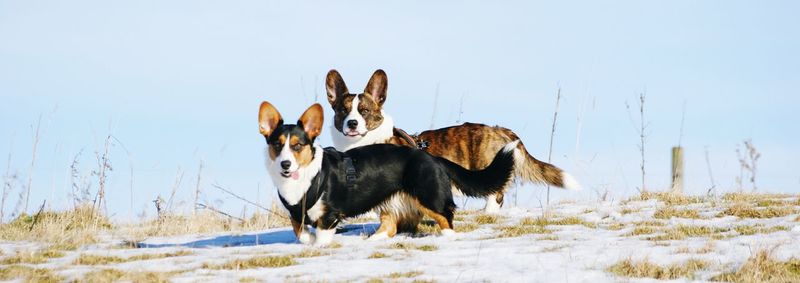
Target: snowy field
573,242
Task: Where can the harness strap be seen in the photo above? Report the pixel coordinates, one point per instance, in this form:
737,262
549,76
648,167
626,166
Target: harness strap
411,140
350,172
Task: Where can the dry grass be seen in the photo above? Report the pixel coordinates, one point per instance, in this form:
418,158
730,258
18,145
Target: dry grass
161,255
36,257
394,276
681,232
520,230
640,230
114,275
28,274
751,197
309,253
763,268
669,198
647,269
487,219
398,275
66,229
255,262
569,220
411,246
670,212
743,210
655,223
203,222
758,229
548,238
466,227
707,248
615,226
377,255
89,259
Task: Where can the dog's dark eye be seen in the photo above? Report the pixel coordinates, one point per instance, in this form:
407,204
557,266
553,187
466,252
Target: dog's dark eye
297,147
276,144
365,111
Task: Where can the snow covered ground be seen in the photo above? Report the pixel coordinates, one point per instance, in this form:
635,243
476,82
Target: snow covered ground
578,243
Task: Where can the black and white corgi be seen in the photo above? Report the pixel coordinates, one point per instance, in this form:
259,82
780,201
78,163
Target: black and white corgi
320,186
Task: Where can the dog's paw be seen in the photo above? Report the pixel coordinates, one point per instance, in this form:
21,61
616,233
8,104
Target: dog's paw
324,237
306,238
449,233
378,236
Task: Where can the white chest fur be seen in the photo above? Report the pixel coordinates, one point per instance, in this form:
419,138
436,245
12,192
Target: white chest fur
293,190
377,135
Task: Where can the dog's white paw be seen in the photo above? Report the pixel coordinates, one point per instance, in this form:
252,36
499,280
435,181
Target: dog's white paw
492,207
324,237
378,236
305,238
449,233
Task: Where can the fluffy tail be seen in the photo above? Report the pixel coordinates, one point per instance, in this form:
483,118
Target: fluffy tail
529,169
490,180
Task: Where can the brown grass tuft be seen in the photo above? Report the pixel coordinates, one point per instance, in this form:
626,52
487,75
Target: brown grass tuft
670,212
743,210
640,230
114,275
487,219
763,268
669,198
255,262
377,255
411,246
758,229
36,257
65,229
647,269
28,274
681,232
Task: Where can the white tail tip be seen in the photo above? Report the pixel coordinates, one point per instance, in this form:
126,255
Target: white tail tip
569,182
510,146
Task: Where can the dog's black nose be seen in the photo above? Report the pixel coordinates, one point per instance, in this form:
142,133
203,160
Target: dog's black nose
286,164
352,124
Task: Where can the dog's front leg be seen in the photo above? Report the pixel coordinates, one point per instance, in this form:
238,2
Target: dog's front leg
326,228
302,234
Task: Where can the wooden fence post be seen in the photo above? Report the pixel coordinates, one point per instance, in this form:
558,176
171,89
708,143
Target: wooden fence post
677,170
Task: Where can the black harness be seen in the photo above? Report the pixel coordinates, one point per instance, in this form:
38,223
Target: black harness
299,211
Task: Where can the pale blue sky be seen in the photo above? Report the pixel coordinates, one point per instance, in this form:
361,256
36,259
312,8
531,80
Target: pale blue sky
180,81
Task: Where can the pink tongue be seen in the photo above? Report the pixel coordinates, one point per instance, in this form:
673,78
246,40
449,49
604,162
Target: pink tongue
295,175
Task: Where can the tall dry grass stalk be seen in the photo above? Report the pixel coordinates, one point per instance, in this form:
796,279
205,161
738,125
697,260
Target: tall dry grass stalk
8,184
197,187
748,162
552,134
103,166
710,174
642,131
33,164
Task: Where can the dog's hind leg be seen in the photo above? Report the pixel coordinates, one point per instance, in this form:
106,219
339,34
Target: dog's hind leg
387,229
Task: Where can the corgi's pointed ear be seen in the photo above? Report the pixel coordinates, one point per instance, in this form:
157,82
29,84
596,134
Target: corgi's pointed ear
376,87
268,118
311,120
335,86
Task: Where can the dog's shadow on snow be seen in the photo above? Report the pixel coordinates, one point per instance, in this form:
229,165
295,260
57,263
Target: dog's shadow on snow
267,238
